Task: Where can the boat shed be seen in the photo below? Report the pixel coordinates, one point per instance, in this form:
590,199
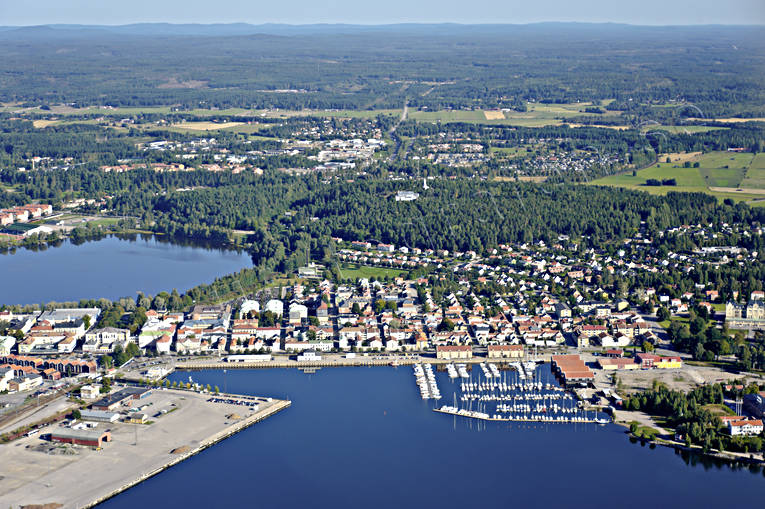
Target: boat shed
572,370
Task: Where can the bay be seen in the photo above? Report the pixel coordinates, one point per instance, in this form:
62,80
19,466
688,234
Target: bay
362,437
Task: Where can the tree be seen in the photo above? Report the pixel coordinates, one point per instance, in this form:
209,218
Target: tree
446,325
662,314
217,391
106,361
86,321
76,414
132,350
698,325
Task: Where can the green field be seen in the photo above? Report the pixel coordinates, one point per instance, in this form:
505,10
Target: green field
354,271
717,177
716,170
718,409
538,115
691,129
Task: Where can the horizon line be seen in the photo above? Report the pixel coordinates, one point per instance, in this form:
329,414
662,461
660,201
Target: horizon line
391,24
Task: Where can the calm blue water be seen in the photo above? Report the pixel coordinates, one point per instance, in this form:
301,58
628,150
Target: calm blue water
112,268
362,437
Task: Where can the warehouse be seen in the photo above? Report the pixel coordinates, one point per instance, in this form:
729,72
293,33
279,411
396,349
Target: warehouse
119,398
99,416
87,437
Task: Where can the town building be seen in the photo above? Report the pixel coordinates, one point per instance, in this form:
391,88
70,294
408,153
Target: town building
745,427
454,352
505,351
750,316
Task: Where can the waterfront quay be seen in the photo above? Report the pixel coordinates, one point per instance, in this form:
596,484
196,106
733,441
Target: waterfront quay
180,424
329,361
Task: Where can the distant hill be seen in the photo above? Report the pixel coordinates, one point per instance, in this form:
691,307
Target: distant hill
240,29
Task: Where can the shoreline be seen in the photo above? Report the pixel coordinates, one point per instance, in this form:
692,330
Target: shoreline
727,457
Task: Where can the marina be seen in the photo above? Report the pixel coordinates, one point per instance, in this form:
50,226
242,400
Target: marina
426,381
520,392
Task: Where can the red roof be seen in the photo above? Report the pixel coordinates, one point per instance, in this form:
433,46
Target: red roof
454,348
505,348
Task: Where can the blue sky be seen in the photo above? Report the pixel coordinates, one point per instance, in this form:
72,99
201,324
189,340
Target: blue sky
116,12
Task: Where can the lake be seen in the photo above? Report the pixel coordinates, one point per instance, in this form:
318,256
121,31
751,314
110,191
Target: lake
362,437
112,267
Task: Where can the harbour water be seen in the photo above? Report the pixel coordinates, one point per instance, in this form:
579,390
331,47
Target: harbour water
111,267
364,437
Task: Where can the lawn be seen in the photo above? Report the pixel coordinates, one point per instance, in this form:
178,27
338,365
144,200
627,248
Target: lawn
666,323
718,409
646,432
105,221
354,271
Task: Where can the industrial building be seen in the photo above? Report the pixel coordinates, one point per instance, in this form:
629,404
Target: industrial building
87,437
99,416
122,397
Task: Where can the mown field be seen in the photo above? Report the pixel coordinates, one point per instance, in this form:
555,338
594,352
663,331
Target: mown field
355,271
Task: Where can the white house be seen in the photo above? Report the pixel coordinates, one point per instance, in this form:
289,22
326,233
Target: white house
249,306
6,343
275,306
298,312
745,427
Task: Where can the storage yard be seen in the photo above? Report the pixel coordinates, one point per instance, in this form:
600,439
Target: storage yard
50,468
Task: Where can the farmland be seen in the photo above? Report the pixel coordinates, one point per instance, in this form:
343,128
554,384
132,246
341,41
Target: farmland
740,176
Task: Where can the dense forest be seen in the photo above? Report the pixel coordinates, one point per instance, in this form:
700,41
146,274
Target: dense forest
717,69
